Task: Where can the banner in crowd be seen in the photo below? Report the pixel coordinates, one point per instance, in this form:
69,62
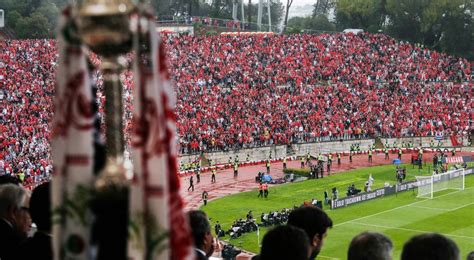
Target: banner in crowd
459,159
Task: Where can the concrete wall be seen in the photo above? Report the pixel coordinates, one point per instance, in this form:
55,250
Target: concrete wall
280,151
255,154
425,141
333,147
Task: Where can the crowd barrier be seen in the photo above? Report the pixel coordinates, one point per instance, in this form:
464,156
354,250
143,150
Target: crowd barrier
295,157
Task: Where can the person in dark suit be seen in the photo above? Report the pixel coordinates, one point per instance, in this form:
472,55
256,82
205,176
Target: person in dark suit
201,232
315,222
39,246
285,242
13,220
430,246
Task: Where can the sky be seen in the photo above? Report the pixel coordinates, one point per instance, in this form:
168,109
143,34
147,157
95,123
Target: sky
301,2
300,7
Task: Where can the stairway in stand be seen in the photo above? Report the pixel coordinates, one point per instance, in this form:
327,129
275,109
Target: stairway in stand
378,143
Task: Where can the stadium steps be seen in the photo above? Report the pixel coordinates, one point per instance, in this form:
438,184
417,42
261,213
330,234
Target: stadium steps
289,150
378,143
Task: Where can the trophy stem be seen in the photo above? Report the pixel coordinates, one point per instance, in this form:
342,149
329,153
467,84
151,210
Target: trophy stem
110,205
104,26
113,107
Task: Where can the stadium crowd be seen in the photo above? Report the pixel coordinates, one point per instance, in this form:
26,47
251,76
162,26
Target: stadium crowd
247,91
26,92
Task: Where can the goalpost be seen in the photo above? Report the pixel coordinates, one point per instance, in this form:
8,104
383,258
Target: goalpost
427,185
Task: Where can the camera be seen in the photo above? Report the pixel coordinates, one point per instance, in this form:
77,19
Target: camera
229,252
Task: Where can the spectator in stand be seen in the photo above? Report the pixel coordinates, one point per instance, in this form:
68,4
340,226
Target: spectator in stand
370,246
244,83
285,242
26,90
315,222
6,179
201,231
430,246
39,246
14,220
470,256
247,91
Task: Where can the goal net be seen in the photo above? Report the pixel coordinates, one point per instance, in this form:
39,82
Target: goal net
427,185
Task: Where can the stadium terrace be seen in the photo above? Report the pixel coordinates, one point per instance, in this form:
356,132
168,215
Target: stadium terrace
249,91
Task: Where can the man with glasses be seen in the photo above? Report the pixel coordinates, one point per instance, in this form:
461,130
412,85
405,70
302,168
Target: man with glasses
15,220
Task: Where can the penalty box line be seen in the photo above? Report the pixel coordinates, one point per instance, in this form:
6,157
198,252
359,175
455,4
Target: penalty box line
400,207
443,209
409,229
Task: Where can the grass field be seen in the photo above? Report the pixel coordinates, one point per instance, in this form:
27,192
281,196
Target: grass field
400,216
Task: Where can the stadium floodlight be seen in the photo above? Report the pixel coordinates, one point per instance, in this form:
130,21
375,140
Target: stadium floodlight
428,185
2,18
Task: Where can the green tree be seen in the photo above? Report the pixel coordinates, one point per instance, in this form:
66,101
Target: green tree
51,12
287,11
318,23
457,29
221,9
405,19
365,14
322,7
297,23
34,27
439,24
11,18
277,10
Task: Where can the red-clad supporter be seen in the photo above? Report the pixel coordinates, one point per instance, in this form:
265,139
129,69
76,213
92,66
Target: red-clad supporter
247,91
26,90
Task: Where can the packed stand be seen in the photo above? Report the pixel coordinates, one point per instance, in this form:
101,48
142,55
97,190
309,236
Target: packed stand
26,92
248,91
237,92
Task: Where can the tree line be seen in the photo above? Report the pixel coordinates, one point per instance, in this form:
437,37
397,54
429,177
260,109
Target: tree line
437,24
446,26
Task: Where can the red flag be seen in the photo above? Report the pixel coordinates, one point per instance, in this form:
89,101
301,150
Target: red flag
159,228
72,149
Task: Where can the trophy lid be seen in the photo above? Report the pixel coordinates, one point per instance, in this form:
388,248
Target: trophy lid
105,7
104,25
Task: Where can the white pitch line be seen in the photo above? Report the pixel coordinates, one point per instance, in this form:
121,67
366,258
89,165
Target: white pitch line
460,207
421,207
408,229
400,207
328,257
441,209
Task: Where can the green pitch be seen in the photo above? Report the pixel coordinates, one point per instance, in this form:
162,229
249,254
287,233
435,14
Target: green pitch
400,216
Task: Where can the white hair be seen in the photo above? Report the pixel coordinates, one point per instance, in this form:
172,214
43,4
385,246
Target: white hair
11,196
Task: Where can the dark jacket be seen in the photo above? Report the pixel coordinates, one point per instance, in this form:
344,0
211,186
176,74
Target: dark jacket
37,247
10,241
200,256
